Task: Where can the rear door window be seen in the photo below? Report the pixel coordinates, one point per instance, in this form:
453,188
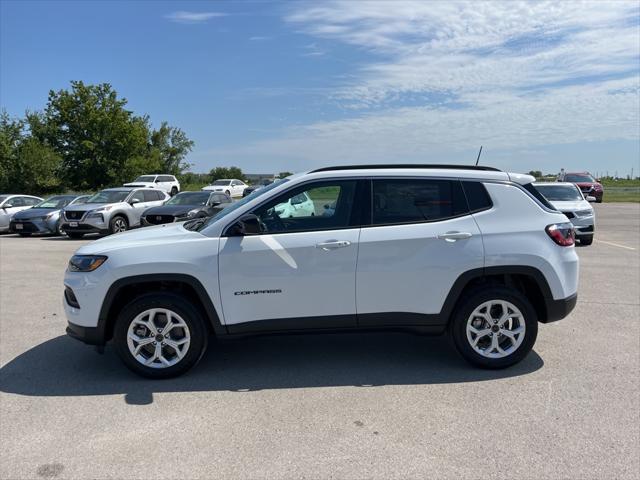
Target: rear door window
397,201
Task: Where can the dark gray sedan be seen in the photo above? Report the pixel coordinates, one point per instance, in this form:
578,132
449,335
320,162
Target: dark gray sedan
185,206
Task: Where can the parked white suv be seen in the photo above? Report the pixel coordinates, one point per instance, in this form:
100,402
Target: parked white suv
166,183
569,199
232,187
474,252
112,210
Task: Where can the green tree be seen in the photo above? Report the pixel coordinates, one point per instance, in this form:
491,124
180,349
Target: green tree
284,174
11,135
173,146
536,173
100,142
38,168
225,172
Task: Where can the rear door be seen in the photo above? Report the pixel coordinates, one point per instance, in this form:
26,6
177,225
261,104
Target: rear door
299,272
421,238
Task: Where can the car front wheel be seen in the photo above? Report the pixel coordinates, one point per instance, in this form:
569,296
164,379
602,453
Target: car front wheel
494,327
160,335
118,224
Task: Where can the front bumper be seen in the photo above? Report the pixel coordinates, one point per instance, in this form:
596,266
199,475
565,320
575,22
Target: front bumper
32,226
559,309
88,335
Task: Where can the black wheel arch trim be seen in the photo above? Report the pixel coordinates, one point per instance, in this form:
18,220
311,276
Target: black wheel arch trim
553,309
209,309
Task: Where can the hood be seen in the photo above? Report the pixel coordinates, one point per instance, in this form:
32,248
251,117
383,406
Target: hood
175,210
34,212
83,207
139,184
160,234
572,206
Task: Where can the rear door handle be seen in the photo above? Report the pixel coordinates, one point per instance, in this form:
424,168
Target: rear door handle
332,245
453,236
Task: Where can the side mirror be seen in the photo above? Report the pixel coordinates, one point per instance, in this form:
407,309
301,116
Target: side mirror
591,198
247,225
134,201
7,205
214,203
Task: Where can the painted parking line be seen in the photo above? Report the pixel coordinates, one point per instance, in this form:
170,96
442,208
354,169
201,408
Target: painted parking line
615,245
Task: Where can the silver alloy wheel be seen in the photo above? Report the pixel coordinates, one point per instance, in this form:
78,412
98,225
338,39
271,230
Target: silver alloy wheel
496,329
119,225
158,338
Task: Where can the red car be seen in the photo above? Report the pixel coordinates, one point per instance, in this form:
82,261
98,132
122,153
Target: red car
586,183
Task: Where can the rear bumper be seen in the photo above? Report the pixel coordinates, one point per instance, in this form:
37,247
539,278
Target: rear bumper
559,309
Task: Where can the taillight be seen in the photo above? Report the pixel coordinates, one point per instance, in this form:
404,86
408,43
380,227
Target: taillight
562,233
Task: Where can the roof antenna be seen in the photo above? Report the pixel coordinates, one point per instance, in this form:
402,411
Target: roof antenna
479,153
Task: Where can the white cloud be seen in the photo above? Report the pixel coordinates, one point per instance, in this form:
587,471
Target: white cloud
258,38
445,77
193,17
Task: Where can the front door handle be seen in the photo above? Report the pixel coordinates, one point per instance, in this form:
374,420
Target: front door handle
453,236
332,245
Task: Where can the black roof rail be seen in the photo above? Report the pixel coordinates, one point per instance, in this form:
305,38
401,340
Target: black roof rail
408,165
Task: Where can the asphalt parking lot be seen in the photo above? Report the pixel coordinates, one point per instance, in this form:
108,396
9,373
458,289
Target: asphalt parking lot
329,406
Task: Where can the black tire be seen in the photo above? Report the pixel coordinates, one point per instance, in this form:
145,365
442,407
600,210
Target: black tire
75,235
24,234
174,191
599,200
475,298
175,303
587,240
227,192
59,230
116,224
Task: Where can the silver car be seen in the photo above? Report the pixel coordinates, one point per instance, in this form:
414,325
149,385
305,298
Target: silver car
112,210
568,198
12,204
44,217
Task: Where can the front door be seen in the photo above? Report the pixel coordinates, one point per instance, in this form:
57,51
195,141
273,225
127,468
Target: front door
299,272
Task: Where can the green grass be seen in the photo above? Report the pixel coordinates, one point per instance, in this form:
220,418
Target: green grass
621,194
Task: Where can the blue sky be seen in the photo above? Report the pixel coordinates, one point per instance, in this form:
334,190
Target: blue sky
272,86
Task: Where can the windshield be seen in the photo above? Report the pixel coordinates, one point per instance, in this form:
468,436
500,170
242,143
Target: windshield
560,193
189,198
221,182
145,178
580,178
234,206
56,202
109,196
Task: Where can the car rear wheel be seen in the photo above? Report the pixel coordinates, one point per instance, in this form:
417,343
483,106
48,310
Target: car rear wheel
495,327
118,224
160,335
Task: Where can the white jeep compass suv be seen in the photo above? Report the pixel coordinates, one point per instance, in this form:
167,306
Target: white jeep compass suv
472,252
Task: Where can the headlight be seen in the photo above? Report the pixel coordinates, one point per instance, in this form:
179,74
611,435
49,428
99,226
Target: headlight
50,216
86,263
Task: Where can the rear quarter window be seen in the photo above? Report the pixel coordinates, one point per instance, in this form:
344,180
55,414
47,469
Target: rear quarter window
478,198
